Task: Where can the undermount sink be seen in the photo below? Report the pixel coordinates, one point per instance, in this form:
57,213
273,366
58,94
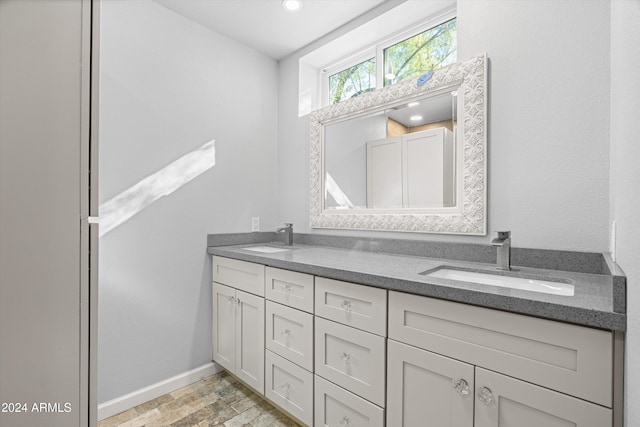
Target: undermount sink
266,249
504,280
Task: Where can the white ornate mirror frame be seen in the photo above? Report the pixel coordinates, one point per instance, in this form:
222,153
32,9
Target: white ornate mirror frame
469,216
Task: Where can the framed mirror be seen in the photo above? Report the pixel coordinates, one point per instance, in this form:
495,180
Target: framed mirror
408,157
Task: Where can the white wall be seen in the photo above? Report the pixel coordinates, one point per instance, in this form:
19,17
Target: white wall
548,123
625,177
168,86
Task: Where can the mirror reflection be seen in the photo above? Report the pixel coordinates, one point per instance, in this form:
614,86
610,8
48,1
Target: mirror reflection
401,157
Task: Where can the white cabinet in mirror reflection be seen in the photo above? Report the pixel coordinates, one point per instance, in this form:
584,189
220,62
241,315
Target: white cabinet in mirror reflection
399,167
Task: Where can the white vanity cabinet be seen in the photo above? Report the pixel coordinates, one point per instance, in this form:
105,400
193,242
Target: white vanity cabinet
289,342
333,354
238,319
500,368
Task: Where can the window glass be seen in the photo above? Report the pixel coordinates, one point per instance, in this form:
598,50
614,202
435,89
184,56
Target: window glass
353,81
429,50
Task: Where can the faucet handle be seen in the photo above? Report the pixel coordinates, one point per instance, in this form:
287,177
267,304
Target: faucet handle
288,224
504,234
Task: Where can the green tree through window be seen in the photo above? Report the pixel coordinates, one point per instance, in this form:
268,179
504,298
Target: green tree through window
353,81
429,50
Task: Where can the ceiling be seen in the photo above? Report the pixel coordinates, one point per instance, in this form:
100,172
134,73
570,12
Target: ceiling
266,26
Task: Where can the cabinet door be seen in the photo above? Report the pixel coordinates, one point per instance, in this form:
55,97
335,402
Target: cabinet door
250,340
384,173
427,156
224,326
506,402
425,386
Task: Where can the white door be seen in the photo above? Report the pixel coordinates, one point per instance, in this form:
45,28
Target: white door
250,340
224,326
48,294
507,402
424,388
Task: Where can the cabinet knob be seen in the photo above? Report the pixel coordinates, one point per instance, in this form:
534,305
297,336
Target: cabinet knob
346,305
287,333
485,395
461,386
286,388
344,421
231,300
286,289
346,357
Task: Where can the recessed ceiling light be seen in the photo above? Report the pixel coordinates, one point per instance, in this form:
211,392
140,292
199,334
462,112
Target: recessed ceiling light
415,118
413,104
291,4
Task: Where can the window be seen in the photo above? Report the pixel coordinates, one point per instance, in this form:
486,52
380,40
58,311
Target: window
413,57
353,81
405,56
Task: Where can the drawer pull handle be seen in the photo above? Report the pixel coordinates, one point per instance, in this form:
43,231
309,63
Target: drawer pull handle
344,421
287,333
286,289
461,386
346,305
346,357
485,395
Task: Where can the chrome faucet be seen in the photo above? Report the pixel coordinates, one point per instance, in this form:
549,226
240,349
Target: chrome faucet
288,233
503,242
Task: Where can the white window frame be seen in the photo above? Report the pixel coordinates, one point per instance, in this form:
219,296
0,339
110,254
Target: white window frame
376,50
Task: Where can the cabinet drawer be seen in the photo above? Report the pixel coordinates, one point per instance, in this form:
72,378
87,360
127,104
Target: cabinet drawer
290,387
290,288
351,358
362,307
246,276
336,407
290,334
572,359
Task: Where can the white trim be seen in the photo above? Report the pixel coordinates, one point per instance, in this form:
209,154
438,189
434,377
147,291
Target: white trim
128,401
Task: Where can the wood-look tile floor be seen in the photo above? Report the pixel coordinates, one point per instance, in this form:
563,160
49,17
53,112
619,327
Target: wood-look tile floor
219,400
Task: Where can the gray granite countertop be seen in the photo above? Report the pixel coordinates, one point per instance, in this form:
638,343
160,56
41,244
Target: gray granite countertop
591,305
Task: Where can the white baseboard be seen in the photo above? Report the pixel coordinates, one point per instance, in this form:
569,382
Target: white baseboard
128,401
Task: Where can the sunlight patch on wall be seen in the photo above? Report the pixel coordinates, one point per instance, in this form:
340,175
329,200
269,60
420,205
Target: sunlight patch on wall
334,190
125,205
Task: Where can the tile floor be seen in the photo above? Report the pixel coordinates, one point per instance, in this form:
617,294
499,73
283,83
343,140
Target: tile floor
219,400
